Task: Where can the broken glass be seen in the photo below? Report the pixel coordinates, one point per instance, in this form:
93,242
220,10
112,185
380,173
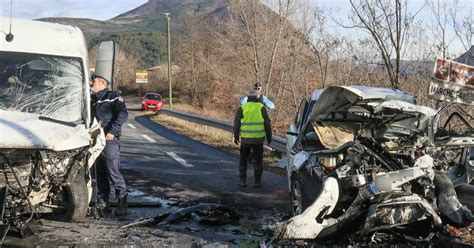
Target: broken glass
46,85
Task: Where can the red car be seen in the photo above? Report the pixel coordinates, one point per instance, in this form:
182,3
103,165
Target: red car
152,101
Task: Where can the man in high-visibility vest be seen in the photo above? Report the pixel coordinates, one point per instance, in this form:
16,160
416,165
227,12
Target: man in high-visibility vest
252,125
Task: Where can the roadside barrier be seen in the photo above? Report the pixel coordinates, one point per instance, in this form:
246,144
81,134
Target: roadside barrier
278,143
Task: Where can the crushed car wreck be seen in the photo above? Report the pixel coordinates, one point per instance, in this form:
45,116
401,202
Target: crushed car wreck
48,141
364,159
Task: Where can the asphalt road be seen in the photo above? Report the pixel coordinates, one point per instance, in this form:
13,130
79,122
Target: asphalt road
187,165
162,167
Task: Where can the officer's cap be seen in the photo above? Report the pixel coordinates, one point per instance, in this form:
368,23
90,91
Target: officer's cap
257,85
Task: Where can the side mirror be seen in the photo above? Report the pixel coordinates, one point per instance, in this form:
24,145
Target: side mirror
104,65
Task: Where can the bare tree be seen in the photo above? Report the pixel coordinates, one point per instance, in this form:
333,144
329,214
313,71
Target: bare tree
196,77
463,26
319,40
440,11
256,29
388,23
125,66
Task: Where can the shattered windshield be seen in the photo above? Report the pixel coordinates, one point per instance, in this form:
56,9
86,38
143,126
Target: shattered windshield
41,84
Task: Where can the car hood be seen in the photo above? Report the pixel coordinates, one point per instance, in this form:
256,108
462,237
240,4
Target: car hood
339,109
26,131
339,98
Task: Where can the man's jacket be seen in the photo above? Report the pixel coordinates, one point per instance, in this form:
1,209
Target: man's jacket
251,123
263,99
109,108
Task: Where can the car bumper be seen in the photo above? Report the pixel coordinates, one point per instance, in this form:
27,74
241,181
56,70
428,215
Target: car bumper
151,107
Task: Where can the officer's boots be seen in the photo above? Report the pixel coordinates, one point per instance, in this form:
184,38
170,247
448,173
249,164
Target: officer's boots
242,182
258,183
103,206
122,207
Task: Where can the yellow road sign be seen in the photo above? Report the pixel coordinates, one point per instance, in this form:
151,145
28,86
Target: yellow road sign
141,77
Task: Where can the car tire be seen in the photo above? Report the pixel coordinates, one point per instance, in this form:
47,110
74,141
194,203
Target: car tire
301,197
76,198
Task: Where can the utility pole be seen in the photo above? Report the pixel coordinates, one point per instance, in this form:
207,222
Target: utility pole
169,59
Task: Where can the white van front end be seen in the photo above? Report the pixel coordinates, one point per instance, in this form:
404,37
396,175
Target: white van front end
48,142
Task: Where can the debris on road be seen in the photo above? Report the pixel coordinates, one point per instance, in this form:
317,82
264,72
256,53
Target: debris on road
159,233
138,204
148,222
465,235
205,213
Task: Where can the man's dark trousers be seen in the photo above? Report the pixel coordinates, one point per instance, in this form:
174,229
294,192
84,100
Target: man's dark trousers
107,166
245,150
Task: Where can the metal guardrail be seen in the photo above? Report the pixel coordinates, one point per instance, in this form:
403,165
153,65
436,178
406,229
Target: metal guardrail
278,143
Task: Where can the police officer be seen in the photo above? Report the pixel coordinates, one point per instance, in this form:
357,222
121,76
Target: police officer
252,125
109,108
263,99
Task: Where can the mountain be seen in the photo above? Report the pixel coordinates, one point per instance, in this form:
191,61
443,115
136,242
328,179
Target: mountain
177,8
413,67
467,57
141,32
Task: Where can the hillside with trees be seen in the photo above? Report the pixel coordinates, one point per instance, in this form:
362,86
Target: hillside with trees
221,47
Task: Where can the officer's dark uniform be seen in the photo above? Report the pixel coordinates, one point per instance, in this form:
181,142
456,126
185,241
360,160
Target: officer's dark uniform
109,108
252,124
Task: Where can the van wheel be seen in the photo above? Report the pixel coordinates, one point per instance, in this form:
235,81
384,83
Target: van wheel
76,199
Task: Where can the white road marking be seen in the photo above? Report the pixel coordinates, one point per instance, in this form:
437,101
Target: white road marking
179,159
171,154
131,126
148,138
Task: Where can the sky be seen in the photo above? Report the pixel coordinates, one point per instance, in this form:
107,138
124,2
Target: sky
424,14
94,9
341,9
104,10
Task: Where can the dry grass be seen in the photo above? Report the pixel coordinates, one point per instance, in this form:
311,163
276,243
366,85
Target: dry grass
212,113
209,135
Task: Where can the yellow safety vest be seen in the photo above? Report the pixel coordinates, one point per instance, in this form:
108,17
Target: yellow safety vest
251,125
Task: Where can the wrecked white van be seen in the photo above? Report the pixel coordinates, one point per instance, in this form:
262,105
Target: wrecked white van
366,160
48,141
